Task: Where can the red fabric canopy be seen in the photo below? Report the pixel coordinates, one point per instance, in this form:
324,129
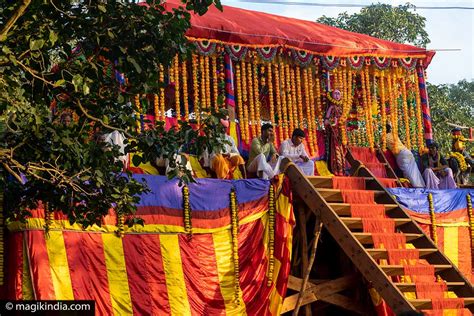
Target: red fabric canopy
251,28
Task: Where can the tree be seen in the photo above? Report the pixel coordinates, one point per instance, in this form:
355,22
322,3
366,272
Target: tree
451,104
384,21
61,56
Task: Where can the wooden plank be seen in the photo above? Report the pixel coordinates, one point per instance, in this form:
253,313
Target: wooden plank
366,238
319,291
334,195
294,283
383,253
410,287
346,303
356,222
426,303
325,181
344,209
398,269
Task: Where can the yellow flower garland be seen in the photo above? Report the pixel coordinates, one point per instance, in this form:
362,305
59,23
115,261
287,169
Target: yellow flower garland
177,88
235,243
285,118
278,96
460,159
271,233
215,87
471,219
184,72
317,95
419,115
383,113
240,105
256,96
202,70
208,83
188,228
289,90
270,93
136,100
197,106
406,118
120,225
299,97
251,98
307,104
434,234
162,93
294,101
246,102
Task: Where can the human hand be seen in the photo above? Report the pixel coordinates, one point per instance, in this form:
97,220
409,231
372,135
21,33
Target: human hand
274,158
304,158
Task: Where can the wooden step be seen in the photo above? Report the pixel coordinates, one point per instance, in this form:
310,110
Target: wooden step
356,222
366,238
344,209
383,254
422,304
410,287
325,181
334,195
398,269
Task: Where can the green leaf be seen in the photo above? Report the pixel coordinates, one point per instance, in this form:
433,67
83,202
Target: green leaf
53,37
77,81
134,63
59,83
85,89
36,44
102,8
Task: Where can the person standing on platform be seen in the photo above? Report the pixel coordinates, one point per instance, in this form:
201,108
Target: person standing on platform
293,149
436,172
405,160
263,157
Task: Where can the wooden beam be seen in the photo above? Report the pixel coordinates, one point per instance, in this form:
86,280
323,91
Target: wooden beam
346,303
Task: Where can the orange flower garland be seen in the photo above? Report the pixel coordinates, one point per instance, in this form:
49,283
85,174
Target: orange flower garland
383,112
317,95
215,87
391,102
138,110
471,219
197,110
202,70
406,119
240,105
370,133
289,88
434,234
156,107
246,101
307,102
294,101
278,102
235,243
208,83
311,119
162,93
284,118
188,228
270,93
299,97
251,99
271,234
177,88
419,117
394,102
184,72
256,96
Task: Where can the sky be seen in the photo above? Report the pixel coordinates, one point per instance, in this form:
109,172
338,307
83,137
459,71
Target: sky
447,30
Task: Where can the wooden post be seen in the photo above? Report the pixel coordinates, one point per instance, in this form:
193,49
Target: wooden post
317,232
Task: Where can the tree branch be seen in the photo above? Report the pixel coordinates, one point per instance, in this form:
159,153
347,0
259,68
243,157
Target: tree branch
13,173
18,13
32,72
84,111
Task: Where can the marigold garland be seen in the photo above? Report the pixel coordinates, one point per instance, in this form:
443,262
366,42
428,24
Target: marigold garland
279,106
251,98
370,129
245,95
294,100
197,106
312,113
471,219
187,211
184,72
215,87
208,83
136,101
383,112
204,95
394,97
256,96
406,118
434,234
460,159
177,89
299,97
285,118
271,233
162,93
307,101
120,225
290,84
419,116
240,105
317,95
235,243
270,93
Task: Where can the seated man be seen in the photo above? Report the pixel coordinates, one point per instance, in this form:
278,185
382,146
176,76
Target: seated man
263,157
225,162
294,149
460,158
405,160
436,172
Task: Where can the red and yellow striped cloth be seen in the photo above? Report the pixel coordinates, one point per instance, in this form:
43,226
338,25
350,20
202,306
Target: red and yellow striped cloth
157,269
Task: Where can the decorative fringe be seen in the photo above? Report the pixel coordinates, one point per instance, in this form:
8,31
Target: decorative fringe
358,196
271,242
348,183
378,225
395,256
433,232
235,243
368,211
447,303
421,271
187,212
430,290
471,221
389,241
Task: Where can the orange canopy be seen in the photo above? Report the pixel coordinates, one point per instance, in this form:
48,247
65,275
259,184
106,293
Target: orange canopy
257,29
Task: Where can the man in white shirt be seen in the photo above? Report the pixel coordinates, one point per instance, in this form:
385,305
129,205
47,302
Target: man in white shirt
294,149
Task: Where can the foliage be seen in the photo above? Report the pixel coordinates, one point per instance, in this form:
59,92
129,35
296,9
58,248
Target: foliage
451,104
65,55
384,21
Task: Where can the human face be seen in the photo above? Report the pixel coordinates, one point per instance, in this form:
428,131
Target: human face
268,134
433,151
297,140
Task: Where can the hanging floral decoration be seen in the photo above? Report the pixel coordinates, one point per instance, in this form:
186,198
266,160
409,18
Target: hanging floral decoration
235,243
433,232
205,48
408,63
267,53
330,62
356,62
460,159
236,52
301,57
471,219
188,228
271,233
381,62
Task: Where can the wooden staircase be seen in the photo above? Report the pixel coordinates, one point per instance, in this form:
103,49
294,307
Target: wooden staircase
327,204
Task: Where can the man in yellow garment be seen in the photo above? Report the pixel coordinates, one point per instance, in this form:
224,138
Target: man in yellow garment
405,160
